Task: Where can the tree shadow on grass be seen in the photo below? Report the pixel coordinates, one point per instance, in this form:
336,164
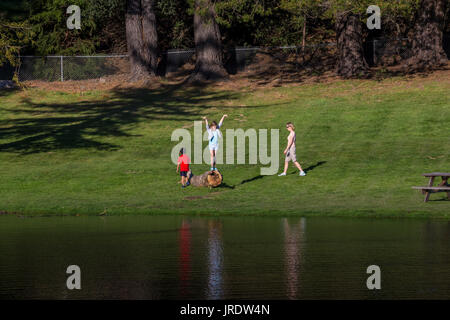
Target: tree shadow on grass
438,200
8,91
35,127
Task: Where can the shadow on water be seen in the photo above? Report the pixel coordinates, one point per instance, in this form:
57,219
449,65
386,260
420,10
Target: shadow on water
49,126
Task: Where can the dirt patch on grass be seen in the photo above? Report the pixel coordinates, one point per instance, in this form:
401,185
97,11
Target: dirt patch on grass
207,196
102,84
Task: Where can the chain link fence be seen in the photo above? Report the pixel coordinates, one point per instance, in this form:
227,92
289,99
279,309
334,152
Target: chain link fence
174,59
281,60
389,52
378,52
63,68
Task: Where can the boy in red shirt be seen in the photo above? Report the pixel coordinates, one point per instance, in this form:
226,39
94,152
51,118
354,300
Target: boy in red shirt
183,165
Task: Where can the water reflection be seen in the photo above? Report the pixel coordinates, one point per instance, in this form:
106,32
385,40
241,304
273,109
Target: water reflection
174,257
294,234
185,257
215,260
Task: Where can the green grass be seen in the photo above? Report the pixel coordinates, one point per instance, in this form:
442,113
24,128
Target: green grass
109,151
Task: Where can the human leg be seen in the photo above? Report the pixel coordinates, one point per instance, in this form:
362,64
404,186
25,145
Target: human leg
299,167
213,158
286,164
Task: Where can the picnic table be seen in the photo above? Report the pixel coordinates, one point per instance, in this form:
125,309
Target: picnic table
442,187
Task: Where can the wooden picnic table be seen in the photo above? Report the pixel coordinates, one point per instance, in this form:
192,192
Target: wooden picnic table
442,187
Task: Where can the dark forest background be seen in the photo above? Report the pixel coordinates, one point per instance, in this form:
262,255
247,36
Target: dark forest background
146,28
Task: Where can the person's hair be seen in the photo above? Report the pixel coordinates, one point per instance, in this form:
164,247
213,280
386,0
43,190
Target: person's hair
213,124
181,151
289,124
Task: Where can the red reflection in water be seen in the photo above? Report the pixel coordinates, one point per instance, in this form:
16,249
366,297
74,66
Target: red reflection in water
185,256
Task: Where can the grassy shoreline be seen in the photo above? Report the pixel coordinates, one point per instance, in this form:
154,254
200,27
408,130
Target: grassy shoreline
365,143
336,214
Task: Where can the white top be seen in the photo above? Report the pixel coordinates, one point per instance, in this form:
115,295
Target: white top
213,136
293,135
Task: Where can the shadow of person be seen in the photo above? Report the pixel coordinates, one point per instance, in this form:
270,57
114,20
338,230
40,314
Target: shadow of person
310,168
251,179
225,185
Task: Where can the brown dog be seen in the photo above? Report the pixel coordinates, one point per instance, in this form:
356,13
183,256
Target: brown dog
210,179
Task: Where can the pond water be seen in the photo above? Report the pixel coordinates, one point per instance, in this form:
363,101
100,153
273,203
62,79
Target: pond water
176,257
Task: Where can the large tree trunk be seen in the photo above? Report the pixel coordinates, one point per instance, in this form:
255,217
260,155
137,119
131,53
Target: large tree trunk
142,38
427,50
208,44
351,62
304,35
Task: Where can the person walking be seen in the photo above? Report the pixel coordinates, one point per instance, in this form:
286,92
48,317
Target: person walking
290,151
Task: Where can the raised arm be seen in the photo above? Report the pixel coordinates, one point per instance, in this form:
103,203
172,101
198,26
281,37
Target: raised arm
221,120
206,122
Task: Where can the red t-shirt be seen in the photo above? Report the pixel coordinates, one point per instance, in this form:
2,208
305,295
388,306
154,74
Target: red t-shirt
184,161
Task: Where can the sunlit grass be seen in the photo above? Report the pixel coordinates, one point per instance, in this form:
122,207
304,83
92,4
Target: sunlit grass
108,152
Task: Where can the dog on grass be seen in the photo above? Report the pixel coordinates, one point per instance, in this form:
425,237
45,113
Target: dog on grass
210,179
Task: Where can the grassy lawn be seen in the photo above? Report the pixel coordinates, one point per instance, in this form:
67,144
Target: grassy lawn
108,152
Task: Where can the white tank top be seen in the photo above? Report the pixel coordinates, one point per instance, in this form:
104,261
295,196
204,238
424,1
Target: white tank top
294,139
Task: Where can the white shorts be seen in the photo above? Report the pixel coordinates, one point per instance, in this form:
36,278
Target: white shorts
291,156
213,147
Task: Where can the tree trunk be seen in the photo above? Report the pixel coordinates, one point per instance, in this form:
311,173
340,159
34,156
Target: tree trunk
304,35
351,62
149,34
208,44
427,50
207,179
142,38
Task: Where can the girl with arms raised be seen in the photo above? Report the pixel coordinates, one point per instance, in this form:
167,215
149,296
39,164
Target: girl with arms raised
213,136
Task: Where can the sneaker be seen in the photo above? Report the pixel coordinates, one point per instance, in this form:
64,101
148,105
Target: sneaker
282,174
212,169
183,186
302,174
187,183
